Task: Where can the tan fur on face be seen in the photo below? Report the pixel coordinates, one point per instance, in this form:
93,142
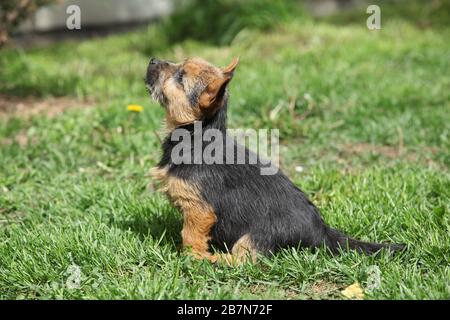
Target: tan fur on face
197,74
201,70
178,109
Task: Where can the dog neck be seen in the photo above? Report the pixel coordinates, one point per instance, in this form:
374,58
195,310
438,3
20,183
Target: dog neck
218,122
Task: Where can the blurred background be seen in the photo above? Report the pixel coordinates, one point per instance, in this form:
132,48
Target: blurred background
46,19
364,129
42,57
305,65
40,21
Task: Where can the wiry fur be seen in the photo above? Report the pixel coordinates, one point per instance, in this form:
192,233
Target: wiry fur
260,213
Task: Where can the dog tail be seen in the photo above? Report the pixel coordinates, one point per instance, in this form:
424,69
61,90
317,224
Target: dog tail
336,240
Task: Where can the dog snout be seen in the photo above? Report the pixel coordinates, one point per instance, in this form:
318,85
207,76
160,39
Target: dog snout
152,65
155,66
153,70
154,61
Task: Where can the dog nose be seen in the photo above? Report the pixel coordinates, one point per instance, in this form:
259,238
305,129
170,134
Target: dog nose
153,65
154,61
153,69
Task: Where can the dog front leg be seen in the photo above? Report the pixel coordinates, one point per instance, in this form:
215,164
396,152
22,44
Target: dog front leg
197,226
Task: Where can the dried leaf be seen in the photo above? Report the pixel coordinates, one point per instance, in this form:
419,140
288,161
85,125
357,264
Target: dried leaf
353,291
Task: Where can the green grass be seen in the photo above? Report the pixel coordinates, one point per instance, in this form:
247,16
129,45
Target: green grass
77,192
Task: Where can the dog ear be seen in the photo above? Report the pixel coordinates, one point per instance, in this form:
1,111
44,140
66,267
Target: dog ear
214,92
229,70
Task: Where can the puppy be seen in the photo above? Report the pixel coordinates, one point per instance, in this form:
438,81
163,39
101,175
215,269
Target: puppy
232,207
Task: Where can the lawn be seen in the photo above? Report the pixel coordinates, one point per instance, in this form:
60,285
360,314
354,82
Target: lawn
365,113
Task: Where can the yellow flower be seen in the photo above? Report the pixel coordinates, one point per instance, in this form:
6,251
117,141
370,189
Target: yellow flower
135,108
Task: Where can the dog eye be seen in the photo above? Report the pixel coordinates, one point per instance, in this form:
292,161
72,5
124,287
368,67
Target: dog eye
179,76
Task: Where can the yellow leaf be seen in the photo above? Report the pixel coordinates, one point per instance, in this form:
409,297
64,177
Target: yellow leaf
135,108
354,291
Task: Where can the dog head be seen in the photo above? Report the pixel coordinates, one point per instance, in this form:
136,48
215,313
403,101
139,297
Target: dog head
189,91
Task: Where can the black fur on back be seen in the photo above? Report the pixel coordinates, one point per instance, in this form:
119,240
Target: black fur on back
270,208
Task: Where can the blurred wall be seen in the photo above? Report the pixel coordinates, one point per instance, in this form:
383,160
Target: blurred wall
326,7
98,13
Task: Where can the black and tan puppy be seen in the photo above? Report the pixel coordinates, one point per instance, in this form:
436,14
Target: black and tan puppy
230,206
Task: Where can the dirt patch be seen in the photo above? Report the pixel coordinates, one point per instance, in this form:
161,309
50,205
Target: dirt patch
21,138
352,158
423,155
10,217
323,289
390,152
12,106
266,291
361,148
320,289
